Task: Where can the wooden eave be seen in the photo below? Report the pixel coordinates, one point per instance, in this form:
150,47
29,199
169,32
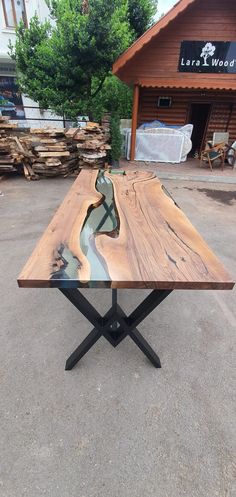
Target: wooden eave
180,7
185,83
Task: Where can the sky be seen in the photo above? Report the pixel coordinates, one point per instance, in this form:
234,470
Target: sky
165,5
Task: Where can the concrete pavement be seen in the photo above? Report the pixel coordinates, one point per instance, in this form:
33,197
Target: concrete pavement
186,171
115,426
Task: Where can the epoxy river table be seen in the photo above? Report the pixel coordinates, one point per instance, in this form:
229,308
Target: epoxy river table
121,231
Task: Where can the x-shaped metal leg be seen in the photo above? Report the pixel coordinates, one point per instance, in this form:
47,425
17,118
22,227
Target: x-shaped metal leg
115,325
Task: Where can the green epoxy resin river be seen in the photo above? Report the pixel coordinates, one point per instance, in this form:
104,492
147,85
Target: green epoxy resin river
102,219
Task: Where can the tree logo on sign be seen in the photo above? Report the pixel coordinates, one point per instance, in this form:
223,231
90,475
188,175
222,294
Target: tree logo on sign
207,51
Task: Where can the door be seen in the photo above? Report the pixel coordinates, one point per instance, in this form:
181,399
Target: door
199,117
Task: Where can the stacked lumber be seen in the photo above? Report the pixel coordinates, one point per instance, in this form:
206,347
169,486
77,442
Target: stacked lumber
54,153
5,124
92,145
24,156
8,164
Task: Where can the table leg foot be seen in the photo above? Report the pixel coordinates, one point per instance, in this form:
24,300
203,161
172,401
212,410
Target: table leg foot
82,349
145,348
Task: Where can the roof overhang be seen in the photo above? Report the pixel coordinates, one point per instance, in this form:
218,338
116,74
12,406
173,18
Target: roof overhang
180,7
183,83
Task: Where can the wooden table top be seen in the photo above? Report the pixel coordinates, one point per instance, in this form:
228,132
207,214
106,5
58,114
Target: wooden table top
122,231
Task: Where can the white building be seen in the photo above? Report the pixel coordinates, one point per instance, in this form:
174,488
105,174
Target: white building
15,104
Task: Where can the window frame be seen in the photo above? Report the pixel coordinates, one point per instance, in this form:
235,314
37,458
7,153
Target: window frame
164,98
24,18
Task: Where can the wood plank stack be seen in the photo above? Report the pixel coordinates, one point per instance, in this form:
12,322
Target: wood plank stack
5,124
54,153
92,145
8,164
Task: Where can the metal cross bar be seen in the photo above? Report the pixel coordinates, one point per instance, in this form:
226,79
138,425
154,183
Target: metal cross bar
107,214
147,306
115,325
140,341
84,306
84,347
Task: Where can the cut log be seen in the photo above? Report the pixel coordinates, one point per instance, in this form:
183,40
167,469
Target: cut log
60,148
47,131
54,154
71,132
8,126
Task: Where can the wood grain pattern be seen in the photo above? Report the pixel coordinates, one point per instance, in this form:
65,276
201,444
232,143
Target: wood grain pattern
153,59
157,243
153,246
223,115
63,233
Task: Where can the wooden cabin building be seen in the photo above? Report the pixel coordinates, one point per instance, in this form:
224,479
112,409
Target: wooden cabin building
183,70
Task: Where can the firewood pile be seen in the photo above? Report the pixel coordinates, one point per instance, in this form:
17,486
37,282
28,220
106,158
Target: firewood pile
92,145
51,151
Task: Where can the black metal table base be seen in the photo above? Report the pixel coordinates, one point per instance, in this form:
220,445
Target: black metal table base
115,325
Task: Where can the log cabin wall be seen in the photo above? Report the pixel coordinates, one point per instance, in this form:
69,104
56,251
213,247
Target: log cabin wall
232,124
148,106
222,116
156,64
152,64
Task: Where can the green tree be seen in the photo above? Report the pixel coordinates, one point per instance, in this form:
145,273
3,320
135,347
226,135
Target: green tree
141,15
116,138
64,64
114,97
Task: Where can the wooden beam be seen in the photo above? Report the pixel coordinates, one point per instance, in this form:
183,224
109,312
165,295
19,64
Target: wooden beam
134,121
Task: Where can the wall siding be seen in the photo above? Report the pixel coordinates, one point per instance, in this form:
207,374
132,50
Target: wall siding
155,69
207,20
223,113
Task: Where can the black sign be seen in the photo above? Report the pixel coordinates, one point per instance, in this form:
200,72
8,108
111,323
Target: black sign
208,57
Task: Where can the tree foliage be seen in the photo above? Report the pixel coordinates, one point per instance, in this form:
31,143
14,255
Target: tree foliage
116,138
63,64
141,15
114,97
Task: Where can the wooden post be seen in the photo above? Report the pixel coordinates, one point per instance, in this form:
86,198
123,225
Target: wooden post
134,121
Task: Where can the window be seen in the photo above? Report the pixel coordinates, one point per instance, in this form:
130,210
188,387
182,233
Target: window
164,102
10,98
14,12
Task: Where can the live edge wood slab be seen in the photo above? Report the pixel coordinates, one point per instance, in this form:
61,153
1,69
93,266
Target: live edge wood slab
122,231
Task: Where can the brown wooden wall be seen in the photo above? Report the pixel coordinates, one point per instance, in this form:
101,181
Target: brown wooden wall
206,20
223,111
148,110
